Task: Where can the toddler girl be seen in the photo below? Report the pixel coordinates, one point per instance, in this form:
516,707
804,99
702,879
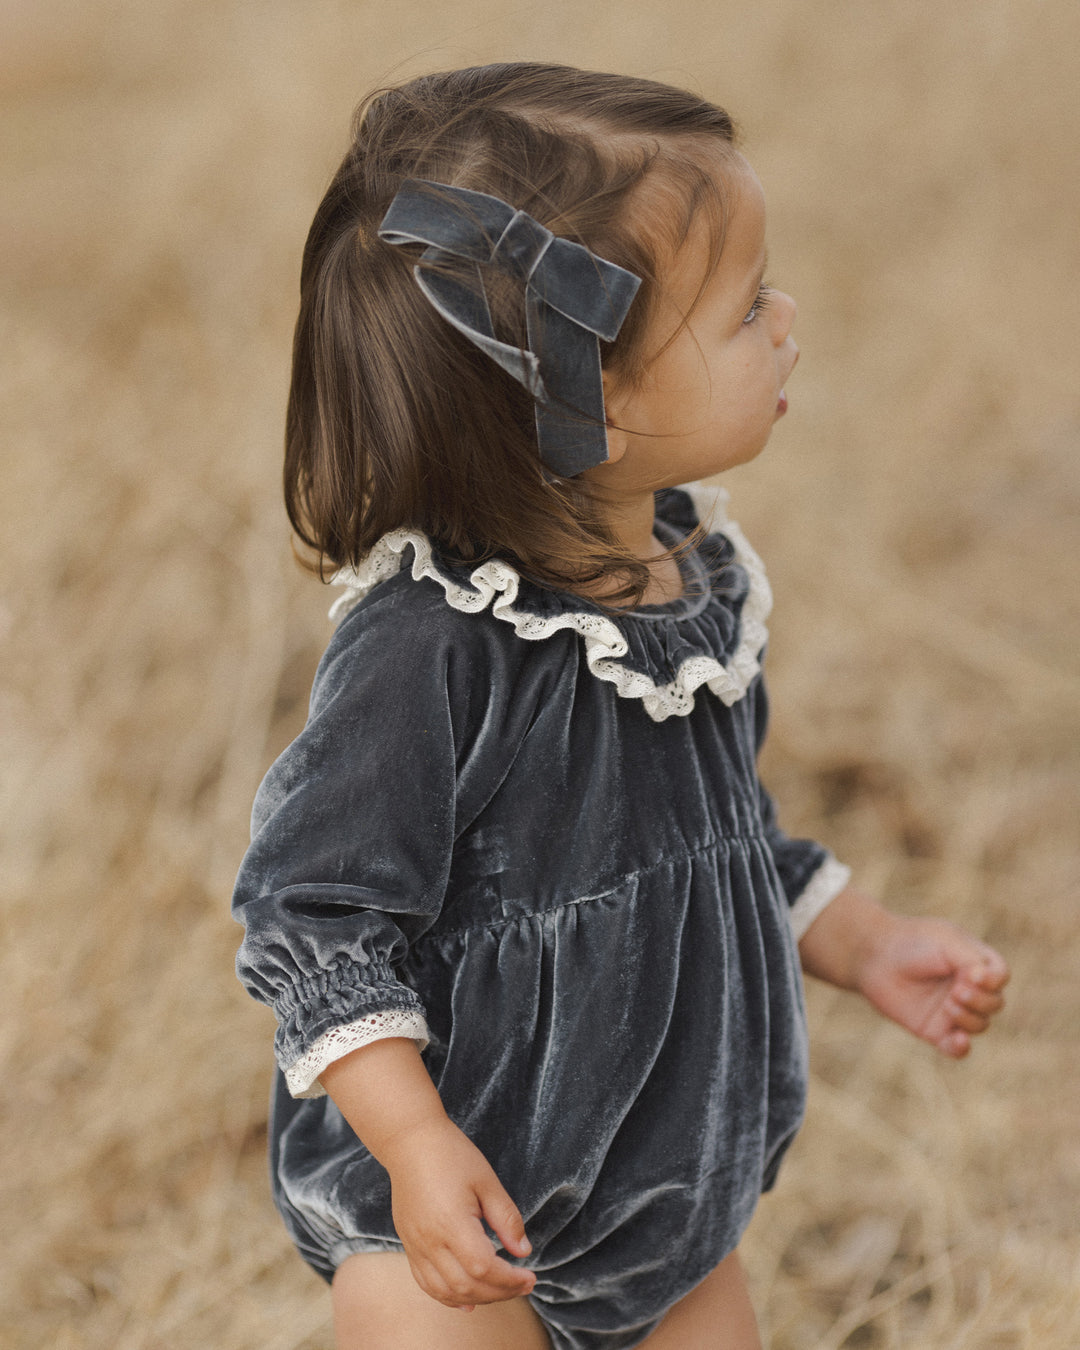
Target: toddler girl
522,908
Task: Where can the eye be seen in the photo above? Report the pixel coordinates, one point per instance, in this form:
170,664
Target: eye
761,302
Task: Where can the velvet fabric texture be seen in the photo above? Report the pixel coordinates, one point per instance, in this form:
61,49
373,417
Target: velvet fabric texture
572,298
590,908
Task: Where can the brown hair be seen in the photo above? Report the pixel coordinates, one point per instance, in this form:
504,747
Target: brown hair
395,419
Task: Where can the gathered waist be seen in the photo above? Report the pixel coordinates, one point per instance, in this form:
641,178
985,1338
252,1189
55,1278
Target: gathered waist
500,898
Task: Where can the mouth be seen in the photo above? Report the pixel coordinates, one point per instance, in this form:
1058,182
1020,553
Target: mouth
781,405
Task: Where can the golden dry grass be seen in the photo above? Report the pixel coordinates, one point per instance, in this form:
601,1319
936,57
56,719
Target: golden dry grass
918,509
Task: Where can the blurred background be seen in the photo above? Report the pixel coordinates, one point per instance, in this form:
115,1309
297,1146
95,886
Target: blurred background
918,509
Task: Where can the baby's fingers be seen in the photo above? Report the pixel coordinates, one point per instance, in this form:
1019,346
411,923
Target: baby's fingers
467,1271
976,999
446,1281
464,1285
490,1275
963,1019
956,1044
991,974
503,1217
968,1011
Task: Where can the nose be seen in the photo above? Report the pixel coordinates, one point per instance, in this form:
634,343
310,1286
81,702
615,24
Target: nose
784,309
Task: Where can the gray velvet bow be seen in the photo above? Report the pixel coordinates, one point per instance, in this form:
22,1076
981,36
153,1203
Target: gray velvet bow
572,298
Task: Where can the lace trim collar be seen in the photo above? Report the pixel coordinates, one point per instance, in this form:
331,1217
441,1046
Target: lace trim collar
703,656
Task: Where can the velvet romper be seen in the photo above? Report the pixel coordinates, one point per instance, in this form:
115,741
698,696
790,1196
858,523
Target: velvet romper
530,833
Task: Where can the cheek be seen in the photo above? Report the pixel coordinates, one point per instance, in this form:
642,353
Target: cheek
765,376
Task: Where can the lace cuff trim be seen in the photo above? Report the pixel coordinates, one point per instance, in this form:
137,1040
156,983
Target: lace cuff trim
302,1076
824,886
496,583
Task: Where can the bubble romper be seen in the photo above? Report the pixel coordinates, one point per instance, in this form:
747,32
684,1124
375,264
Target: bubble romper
530,832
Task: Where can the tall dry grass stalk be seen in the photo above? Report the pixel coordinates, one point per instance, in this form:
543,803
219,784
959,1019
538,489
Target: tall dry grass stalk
918,509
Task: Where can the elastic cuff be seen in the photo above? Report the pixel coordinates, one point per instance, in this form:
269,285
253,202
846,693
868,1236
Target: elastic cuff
302,1075
823,887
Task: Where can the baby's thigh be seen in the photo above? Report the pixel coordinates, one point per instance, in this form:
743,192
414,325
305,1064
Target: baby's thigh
379,1306
715,1315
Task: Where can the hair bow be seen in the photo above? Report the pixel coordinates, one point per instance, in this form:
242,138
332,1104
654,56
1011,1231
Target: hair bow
572,298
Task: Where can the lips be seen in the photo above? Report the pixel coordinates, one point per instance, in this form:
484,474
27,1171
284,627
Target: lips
781,406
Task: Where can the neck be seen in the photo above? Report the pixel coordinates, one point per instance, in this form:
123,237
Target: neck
631,520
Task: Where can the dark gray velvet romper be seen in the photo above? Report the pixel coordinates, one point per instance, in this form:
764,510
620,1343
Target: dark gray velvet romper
543,828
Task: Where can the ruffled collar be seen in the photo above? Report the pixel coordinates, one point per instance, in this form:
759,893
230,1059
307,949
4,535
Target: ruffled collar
712,635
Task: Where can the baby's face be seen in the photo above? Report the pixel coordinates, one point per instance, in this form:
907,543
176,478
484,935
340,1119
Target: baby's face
710,395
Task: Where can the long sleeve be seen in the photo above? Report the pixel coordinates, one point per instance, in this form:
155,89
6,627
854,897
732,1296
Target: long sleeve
810,875
352,833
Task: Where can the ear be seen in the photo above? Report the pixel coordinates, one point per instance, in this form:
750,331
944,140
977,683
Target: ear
616,437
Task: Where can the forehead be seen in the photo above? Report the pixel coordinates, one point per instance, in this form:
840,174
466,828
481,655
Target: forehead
712,246
701,212
725,244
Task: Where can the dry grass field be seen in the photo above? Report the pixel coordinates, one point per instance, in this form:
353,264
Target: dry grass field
918,509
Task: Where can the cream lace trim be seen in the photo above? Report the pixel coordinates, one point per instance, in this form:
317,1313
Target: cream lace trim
302,1075
496,584
824,886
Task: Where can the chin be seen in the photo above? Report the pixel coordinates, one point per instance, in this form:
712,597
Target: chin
750,455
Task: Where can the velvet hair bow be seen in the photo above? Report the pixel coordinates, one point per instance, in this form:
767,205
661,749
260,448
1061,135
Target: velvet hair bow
572,299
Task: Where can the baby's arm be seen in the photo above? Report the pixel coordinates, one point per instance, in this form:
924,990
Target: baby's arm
932,978
442,1186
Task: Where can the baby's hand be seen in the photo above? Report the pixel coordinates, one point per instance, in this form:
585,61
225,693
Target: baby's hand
442,1187
935,980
